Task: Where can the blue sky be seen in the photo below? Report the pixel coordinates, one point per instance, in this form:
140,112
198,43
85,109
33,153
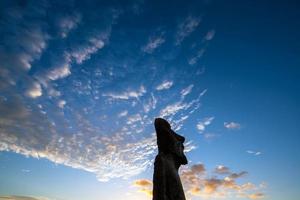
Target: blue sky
81,83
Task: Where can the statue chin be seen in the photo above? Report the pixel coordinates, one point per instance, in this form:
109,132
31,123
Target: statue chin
183,160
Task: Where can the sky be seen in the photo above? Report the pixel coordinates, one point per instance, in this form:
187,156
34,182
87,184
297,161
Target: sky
81,83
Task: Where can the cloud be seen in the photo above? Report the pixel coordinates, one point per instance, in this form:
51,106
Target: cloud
186,90
210,35
173,109
237,175
45,70
68,23
220,169
256,153
186,28
22,43
151,104
147,191
35,90
12,108
127,94
232,125
84,52
123,113
196,57
59,72
115,159
153,43
201,125
145,186
201,50
62,67
61,103
197,182
134,118
143,182
164,85
22,49
256,196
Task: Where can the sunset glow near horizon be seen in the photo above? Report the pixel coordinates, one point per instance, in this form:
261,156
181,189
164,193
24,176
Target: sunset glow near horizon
81,83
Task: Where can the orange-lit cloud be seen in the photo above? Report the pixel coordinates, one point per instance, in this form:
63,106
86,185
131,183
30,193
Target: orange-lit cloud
220,183
144,185
143,182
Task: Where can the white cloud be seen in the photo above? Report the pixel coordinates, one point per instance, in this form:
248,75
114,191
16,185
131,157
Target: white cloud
84,52
34,91
68,23
164,85
221,169
210,35
18,50
203,123
61,103
186,28
172,109
256,153
25,170
151,104
134,118
107,156
186,90
127,94
232,125
196,57
153,43
59,72
33,42
123,113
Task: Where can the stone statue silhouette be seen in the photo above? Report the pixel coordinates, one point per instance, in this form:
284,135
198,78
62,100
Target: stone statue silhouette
166,180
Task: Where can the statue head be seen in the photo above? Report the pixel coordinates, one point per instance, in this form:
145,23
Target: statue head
160,122
176,141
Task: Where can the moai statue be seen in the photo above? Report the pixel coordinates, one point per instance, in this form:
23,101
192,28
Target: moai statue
166,180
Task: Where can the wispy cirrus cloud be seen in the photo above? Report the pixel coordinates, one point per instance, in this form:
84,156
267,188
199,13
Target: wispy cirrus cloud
255,153
127,94
84,52
68,23
153,43
186,27
193,60
186,90
210,35
201,125
123,113
164,85
232,125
